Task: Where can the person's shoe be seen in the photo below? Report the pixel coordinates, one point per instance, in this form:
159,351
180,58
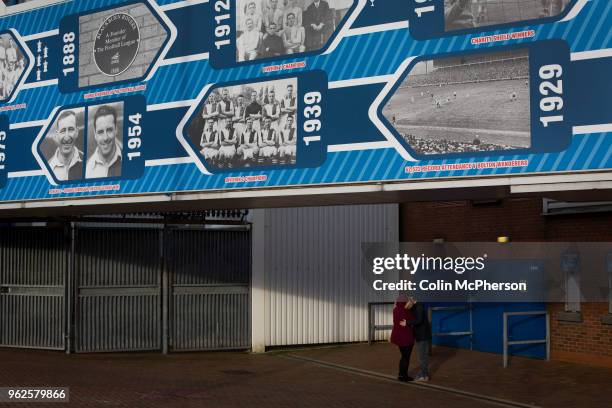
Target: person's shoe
405,379
421,379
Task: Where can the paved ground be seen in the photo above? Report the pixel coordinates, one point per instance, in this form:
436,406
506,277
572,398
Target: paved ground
527,381
287,380
207,380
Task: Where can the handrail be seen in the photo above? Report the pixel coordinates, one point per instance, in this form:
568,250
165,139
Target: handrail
508,343
469,332
372,327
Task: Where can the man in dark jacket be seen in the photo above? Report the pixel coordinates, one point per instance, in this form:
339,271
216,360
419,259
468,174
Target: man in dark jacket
422,335
272,44
318,22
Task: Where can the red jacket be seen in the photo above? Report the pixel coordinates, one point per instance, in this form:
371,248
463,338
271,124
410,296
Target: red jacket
402,335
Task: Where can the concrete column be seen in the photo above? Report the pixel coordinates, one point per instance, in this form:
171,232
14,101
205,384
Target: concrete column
258,307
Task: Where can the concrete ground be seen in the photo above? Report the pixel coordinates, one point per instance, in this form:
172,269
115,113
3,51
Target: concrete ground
345,376
525,381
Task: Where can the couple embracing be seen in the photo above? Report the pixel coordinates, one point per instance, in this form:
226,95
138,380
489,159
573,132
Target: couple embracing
410,326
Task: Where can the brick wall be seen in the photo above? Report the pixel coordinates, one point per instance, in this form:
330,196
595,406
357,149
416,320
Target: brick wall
152,36
588,341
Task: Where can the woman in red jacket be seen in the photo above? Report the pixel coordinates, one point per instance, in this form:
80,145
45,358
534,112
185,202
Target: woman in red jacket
402,335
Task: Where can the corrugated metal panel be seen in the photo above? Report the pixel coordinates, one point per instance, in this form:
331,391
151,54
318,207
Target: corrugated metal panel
33,264
314,289
31,321
33,256
210,273
117,257
200,257
211,321
119,323
118,275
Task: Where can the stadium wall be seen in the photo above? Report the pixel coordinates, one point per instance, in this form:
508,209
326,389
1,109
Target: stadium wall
583,338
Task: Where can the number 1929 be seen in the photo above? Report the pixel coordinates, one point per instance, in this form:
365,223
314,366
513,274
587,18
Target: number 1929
551,91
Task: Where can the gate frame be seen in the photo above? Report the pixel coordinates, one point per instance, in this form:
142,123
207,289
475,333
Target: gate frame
217,226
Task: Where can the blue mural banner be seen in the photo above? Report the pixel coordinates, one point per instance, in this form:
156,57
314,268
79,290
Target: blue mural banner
112,98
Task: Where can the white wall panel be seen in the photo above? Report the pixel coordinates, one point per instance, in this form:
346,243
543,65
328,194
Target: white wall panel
315,292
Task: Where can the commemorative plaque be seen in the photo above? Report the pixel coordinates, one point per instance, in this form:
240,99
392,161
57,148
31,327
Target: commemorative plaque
116,44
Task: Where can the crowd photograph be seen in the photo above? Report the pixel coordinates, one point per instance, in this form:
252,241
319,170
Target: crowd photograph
12,65
273,28
71,157
248,125
474,103
465,14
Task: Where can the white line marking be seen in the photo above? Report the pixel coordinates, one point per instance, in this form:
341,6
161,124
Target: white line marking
602,128
168,162
361,81
400,25
27,173
38,140
181,4
33,123
366,146
373,111
359,146
169,44
181,126
186,58
40,84
346,26
577,8
44,34
171,105
583,55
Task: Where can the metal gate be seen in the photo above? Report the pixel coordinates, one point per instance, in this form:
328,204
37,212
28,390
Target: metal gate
118,283
107,289
33,264
209,280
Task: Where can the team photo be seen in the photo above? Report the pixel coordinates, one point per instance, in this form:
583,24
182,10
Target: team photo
248,125
12,65
273,28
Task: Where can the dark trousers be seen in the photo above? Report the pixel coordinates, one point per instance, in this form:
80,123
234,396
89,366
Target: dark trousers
405,351
423,353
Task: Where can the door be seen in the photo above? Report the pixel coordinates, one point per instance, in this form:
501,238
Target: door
118,299
209,273
33,265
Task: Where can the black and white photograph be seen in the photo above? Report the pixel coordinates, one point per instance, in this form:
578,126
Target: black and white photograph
63,145
104,140
273,28
248,125
471,103
118,44
466,14
12,65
